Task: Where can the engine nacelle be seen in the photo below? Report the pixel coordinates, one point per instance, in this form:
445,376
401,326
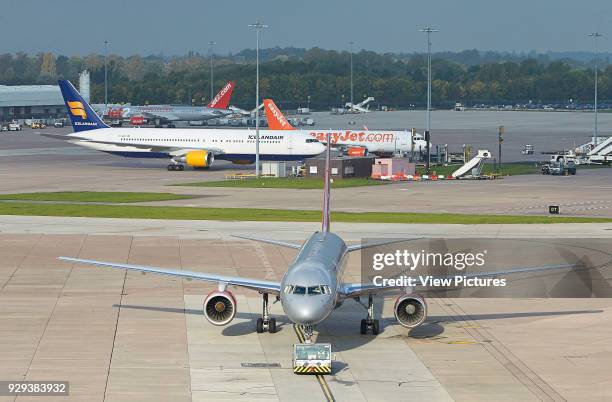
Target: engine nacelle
357,151
199,159
410,310
220,307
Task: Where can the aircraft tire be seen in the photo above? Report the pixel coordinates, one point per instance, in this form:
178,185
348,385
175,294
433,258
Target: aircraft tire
364,327
259,326
272,325
375,327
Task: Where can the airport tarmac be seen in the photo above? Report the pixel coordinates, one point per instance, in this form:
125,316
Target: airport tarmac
546,131
119,336
30,162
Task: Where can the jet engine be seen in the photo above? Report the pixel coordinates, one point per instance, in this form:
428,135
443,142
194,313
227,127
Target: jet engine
220,307
200,159
410,310
357,151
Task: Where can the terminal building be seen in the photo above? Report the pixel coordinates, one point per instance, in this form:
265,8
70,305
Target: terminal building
40,102
23,102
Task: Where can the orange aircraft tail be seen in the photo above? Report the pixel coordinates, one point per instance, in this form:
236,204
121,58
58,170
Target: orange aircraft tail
276,119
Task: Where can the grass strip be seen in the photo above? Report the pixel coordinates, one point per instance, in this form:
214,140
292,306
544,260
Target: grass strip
248,214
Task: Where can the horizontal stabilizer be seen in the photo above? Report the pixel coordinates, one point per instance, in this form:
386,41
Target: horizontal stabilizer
275,242
361,246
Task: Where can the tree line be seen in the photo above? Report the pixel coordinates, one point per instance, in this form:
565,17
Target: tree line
293,77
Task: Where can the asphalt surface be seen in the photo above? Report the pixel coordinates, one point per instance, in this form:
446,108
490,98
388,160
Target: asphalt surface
126,336
30,162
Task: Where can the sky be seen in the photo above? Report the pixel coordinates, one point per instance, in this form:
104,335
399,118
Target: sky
175,27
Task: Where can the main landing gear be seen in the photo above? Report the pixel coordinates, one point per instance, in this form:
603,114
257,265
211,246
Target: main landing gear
175,167
369,321
265,323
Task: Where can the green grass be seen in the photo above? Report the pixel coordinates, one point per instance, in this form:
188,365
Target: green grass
247,214
299,183
94,196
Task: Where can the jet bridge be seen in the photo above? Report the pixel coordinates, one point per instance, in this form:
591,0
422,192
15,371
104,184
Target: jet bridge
474,166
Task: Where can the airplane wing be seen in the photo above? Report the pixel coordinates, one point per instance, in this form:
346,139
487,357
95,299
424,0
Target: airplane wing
254,284
356,289
269,241
361,246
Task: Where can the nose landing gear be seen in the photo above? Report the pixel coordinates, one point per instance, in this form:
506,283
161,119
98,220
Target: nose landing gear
265,323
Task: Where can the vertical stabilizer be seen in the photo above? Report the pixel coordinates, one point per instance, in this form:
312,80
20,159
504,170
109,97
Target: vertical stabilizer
326,185
81,115
222,99
276,119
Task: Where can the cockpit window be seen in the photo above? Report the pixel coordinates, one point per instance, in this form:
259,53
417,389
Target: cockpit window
308,140
315,290
310,290
296,290
318,290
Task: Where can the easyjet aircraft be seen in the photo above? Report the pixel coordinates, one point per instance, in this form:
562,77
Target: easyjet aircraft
380,142
168,114
196,147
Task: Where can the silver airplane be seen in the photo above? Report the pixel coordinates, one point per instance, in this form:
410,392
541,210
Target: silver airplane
169,114
311,288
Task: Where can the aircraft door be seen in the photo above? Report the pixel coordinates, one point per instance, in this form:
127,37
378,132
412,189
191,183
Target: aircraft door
289,138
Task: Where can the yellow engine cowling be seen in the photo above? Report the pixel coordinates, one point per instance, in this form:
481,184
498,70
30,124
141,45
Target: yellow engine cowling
200,159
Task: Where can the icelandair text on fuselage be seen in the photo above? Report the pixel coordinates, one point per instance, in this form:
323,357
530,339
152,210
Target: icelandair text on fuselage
432,281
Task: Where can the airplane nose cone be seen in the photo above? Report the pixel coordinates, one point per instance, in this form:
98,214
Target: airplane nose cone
304,311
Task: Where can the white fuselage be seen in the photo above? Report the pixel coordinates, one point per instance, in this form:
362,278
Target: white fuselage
236,144
375,141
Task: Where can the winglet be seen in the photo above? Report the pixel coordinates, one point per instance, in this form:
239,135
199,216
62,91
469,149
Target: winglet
222,98
276,119
326,186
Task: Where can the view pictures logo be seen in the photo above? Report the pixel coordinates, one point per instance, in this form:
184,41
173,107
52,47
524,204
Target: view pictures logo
412,261
77,109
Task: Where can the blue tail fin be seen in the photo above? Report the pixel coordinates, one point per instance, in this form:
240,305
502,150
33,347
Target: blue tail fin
81,114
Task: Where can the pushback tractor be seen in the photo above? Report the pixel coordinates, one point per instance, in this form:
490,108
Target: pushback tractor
312,358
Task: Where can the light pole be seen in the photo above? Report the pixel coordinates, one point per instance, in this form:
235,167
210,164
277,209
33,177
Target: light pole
595,36
428,31
212,91
352,44
258,26
106,43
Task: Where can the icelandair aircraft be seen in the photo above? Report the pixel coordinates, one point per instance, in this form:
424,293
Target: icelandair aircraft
195,147
168,114
356,142
311,288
